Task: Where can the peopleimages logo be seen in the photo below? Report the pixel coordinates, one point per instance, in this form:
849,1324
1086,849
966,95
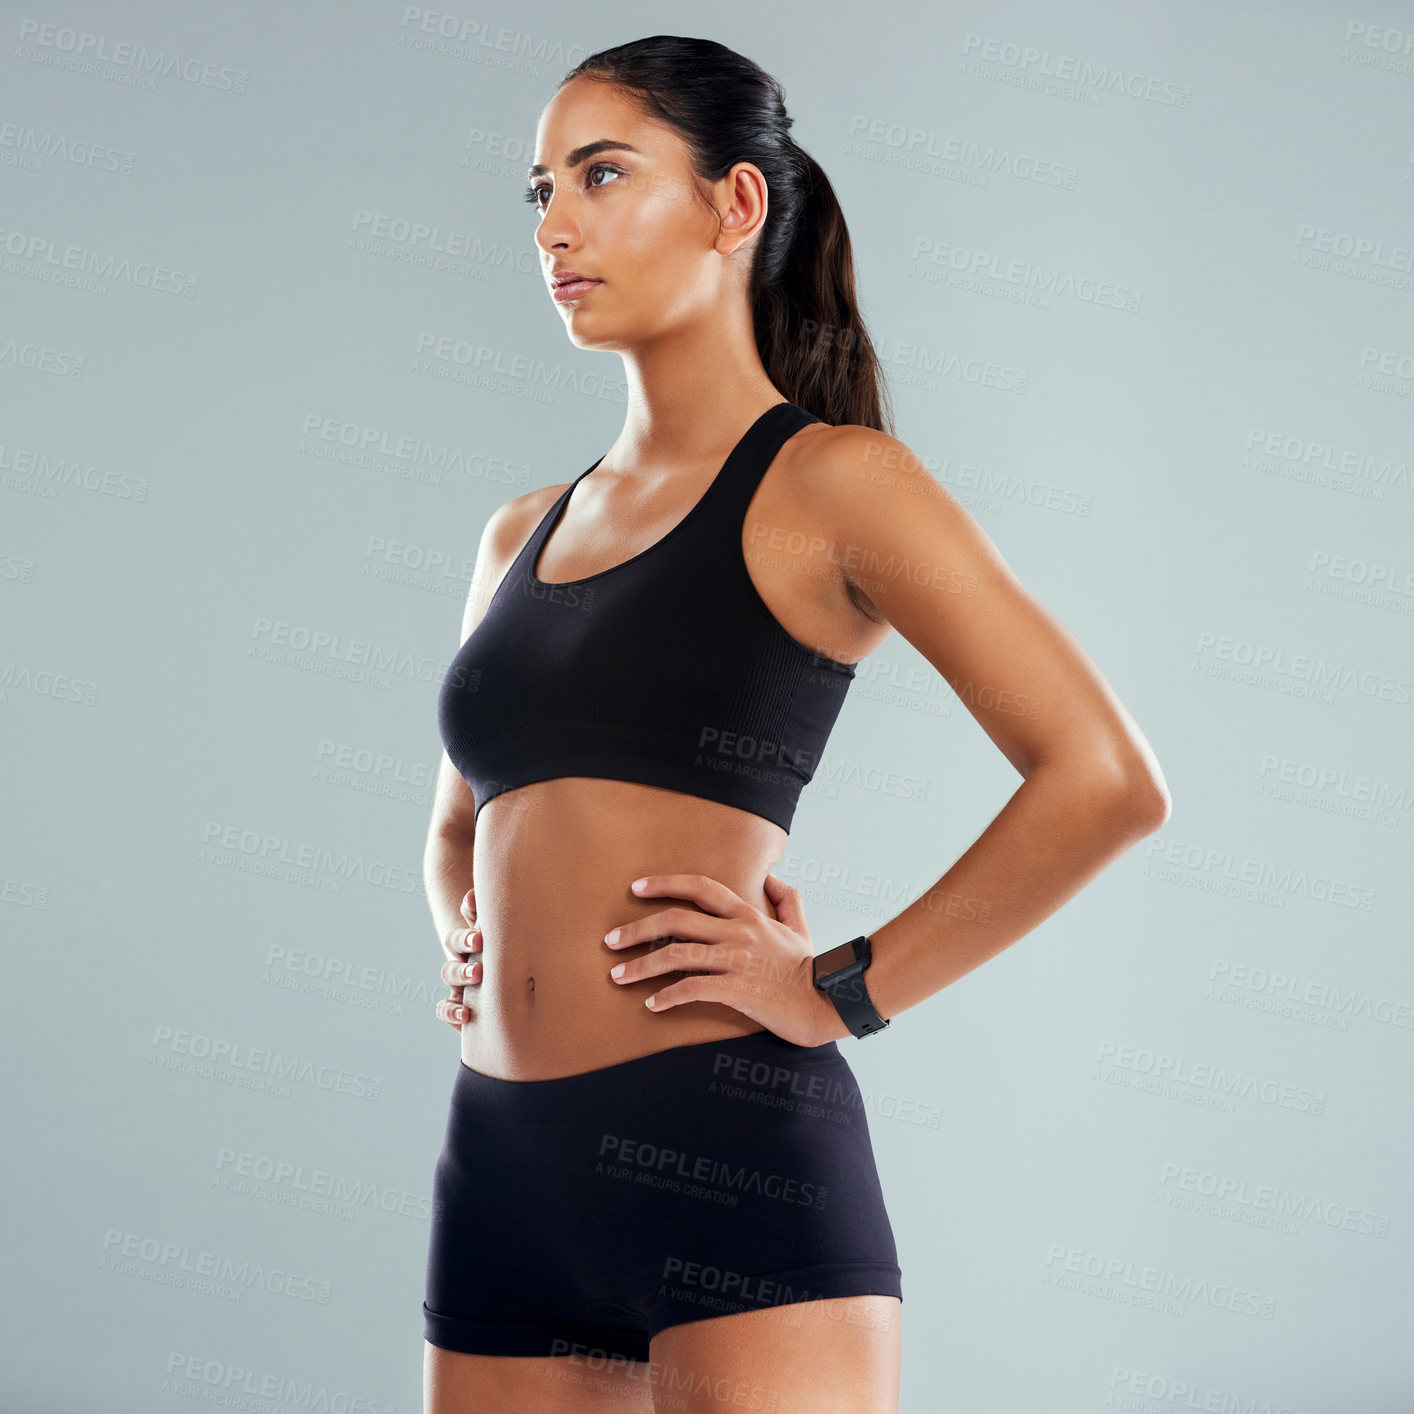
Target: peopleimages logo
220,1059
738,746
133,1254
84,51
236,1387
1224,870
736,1286
1210,1079
321,1189
645,1161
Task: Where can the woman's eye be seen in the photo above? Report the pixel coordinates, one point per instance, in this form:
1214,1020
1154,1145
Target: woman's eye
534,191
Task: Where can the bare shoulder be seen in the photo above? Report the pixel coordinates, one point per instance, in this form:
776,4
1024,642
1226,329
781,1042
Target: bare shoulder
503,537
855,467
510,525
875,498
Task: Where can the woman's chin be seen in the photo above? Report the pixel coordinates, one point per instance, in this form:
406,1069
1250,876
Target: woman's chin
581,337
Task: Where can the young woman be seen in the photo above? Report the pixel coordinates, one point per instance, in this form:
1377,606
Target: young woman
657,1188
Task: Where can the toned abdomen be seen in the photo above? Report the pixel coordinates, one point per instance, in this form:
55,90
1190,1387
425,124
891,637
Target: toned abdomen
553,864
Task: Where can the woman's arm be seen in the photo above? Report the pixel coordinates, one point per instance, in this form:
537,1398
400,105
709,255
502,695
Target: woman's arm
1091,786
447,874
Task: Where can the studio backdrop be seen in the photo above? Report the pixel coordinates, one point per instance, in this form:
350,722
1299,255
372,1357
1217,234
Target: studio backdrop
274,344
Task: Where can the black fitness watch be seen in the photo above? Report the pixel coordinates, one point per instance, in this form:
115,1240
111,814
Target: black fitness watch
845,988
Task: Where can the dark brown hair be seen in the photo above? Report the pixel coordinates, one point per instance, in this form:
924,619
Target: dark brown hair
809,332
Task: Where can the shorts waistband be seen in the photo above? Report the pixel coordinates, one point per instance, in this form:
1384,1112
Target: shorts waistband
682,1073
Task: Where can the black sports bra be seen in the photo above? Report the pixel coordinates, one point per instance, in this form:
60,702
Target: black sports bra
668,669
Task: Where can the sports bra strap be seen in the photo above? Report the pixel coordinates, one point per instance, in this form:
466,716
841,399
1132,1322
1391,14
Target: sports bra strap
530,551
747,464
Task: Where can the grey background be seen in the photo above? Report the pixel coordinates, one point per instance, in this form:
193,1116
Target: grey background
1193,1080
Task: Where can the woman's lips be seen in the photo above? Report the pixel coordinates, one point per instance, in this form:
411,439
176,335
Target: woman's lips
572,289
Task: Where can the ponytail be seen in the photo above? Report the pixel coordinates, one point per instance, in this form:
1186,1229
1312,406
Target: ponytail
809,331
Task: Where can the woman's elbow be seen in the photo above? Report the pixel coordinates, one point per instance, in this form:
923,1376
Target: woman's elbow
1142,796
1130,788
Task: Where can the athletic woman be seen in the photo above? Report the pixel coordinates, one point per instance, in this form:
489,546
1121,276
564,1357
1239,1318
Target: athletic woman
657,1189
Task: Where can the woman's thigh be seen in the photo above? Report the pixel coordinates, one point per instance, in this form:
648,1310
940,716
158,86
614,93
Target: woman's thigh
836,1356
453,1383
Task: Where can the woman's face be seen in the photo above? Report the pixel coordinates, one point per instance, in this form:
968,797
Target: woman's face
626,214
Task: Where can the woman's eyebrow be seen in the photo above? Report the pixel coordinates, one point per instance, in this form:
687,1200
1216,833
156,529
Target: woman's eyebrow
578,154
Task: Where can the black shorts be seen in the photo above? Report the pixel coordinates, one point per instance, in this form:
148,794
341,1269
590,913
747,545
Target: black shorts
584,1214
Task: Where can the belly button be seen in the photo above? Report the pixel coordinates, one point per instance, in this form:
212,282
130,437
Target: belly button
530,983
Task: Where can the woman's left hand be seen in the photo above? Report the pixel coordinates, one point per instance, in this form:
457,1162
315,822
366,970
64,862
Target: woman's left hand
762,966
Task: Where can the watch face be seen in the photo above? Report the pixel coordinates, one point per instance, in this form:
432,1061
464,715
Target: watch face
855,954
844,974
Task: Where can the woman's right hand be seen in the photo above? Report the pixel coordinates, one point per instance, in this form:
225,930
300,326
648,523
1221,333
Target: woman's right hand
459,972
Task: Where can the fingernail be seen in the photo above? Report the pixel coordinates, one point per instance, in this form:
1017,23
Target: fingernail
612,936
618,971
